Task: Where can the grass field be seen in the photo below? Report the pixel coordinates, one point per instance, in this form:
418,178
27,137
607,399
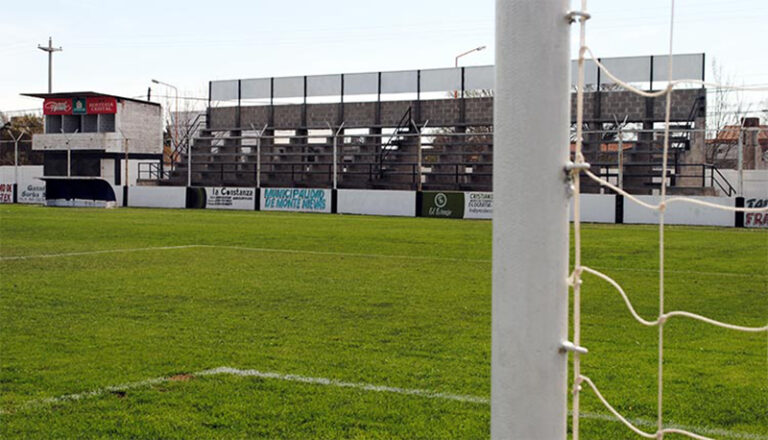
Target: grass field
364,302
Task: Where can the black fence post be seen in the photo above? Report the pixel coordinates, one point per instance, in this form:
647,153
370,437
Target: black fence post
239,119
272,102
739,219
418,96
378,101
419,203
208,110
304,105
340,119
463,102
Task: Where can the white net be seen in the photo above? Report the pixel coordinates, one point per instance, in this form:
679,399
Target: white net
575,279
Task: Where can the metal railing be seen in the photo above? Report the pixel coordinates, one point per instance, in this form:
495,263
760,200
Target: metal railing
449,160
152,171
648,174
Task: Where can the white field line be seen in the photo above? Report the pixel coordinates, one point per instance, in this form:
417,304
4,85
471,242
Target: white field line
351,254
429,394
106,251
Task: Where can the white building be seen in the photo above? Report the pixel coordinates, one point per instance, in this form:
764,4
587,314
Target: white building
98,132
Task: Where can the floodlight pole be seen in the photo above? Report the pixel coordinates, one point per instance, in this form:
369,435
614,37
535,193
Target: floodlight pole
530,225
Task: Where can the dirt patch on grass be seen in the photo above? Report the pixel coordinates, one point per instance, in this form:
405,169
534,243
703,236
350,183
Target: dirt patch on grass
181,378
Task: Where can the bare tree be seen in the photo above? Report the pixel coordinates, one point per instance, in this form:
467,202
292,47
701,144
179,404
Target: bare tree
180,123
726,108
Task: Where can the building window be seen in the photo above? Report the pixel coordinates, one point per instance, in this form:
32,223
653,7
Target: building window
90,123
71,124
53,123
106,123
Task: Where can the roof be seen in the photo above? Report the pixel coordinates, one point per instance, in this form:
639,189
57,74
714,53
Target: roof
730,135
85,95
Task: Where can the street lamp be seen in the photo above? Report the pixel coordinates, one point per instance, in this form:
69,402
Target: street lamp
456,63
176,117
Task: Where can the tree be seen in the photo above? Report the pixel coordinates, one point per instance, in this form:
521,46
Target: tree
25,125
180,124
726,108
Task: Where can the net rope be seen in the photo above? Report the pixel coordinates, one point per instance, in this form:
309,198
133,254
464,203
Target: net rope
575,279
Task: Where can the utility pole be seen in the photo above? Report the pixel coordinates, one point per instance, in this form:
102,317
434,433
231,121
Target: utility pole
50,49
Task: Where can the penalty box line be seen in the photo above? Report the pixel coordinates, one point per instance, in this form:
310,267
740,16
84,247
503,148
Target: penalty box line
347,254
322,381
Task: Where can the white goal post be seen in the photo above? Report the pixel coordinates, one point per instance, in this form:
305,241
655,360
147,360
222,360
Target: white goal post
530,228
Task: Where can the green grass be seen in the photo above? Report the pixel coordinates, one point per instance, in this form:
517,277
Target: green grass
79,323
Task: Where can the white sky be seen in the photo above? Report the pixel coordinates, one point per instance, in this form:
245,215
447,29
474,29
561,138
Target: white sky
118,46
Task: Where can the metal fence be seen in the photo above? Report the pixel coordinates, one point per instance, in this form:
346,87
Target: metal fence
345,86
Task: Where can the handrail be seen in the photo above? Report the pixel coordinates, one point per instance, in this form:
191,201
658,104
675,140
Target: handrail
186,139
730,190
384,151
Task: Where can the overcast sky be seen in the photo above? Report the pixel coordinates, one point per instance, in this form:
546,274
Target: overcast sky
118,46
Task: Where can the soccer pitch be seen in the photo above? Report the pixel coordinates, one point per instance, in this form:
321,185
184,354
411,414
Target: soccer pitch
116,323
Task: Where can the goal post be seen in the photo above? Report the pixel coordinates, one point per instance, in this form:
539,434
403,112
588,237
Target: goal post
530,227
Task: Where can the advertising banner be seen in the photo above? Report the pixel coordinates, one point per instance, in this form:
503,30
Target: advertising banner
32,192
442,204
756,219
101,105
478,205
681,213
157,196
296,199
225,197
6,193
377,202
57,106
80,106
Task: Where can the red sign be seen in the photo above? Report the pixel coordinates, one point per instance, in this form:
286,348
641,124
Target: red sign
101,104
93,105
57,106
